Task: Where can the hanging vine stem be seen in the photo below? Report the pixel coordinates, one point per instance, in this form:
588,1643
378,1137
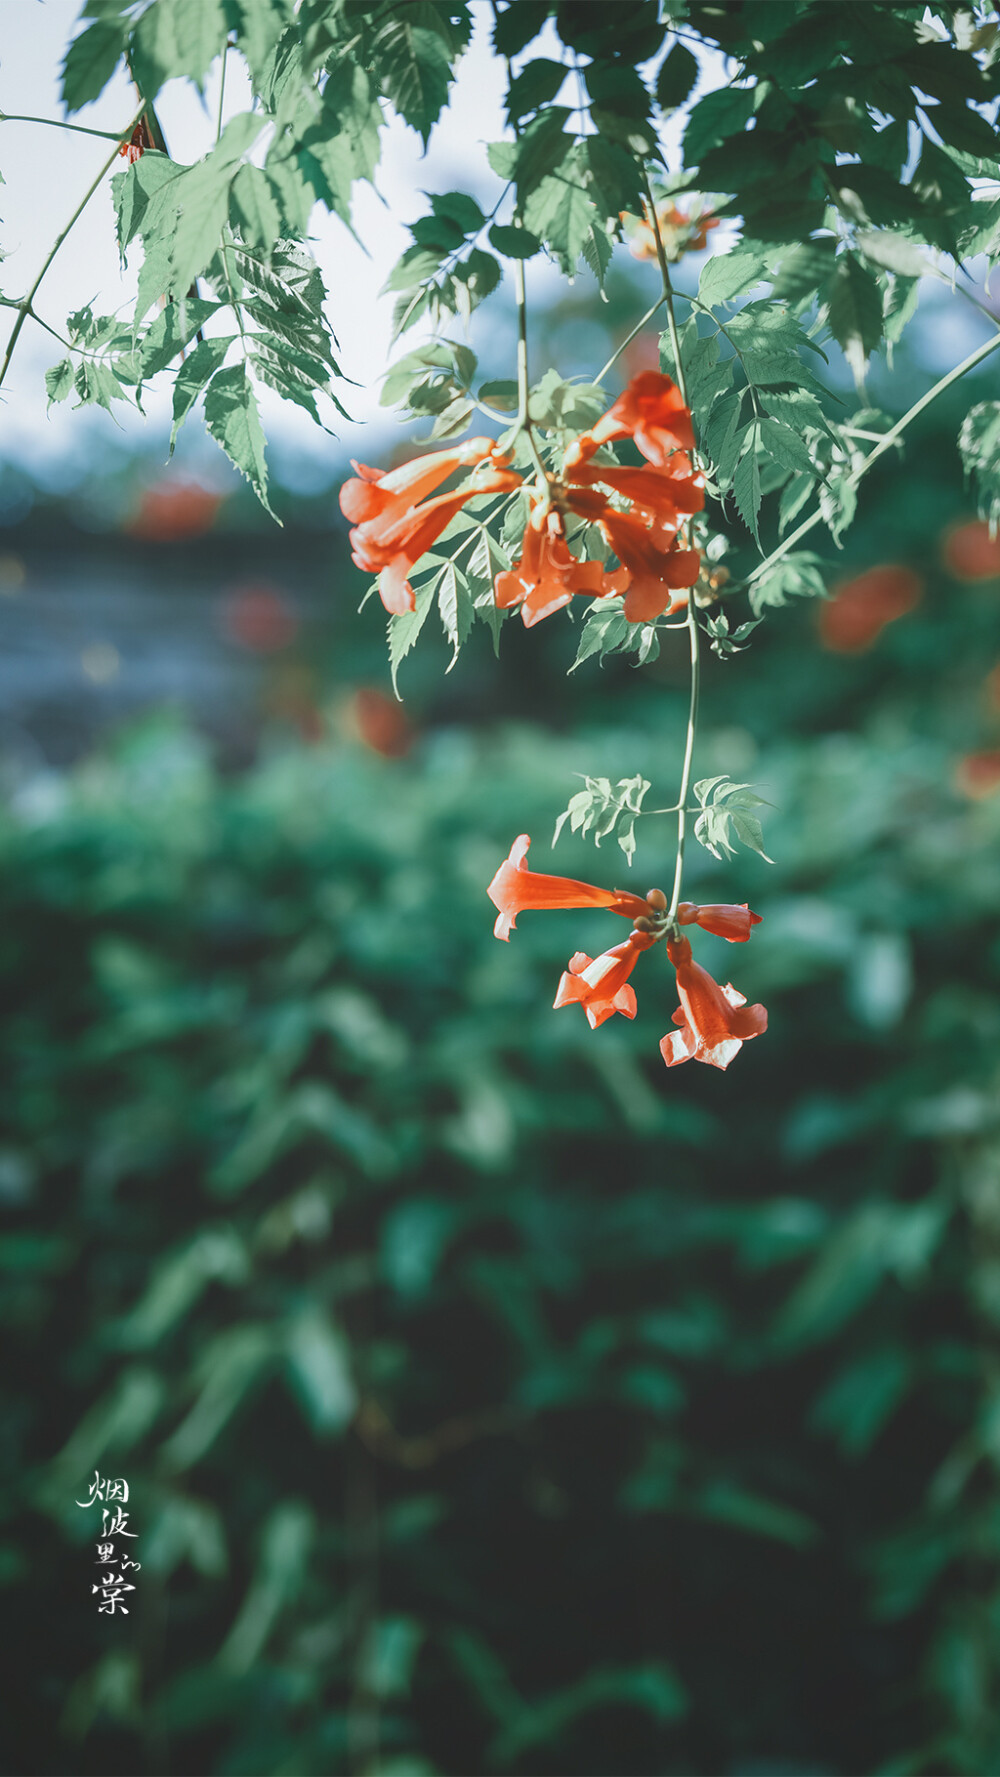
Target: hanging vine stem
691,620
24,306
523,418
886,442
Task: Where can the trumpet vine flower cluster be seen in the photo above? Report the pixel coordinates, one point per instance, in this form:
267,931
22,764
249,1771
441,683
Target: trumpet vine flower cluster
713,1022
639,512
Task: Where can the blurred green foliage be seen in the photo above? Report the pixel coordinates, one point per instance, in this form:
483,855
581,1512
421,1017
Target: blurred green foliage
490,1399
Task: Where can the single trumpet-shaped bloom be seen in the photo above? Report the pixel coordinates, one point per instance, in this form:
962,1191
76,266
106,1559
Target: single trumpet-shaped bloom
714,1021
392,530
725,920
652,411
655,575
547,574
516,889
600,984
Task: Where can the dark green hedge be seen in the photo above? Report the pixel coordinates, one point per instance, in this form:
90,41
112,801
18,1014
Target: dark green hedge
491,1399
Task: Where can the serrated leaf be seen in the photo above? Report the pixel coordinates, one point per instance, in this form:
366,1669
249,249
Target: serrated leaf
134,190
96,384
171,331
604,630
795,576
232,418
597,250
730,274
746,484
541,148
59,381
893,252
454,608
979,446
805,270
560,211
404,628
253,208
676,78
537,84
174,38
197,369
91,60
785,446
854,313
414,70
717,117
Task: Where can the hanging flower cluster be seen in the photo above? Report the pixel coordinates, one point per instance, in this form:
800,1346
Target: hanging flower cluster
655,573
395,523
680,231
713,1022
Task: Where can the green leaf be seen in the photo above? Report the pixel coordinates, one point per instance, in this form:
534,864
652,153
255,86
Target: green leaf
541,148
59,380
414,69
855,313
198,367
784,445
676,78
90,61
232,418
515,243
171,331
134,190
979,445
404,628
893,252
254,208
597,250
794,576
730,274
715,118
560,211
454,608
176,38
805,270
96,383
537,84
459,208
604,630
746,484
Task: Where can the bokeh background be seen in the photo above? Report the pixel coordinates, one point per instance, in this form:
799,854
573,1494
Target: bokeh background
491,1400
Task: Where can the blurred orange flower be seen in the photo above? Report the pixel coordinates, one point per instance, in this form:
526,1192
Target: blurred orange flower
862,606
259,617
173,510
970,553
977,775
681,231
380,723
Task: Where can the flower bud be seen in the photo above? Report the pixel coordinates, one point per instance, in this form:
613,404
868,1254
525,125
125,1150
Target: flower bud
657,900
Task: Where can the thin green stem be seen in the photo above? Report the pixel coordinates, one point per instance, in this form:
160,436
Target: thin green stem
56,123
222,91
24,307
692,728
886,442
668,289
694,634
647,317
523,420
